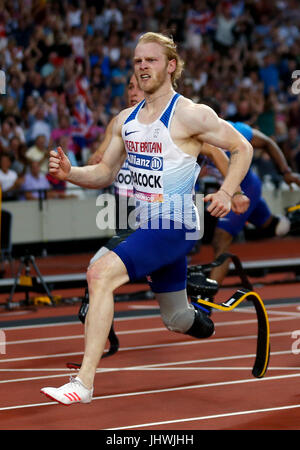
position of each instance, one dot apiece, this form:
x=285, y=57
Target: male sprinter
x=177, y=313
x=162, y=136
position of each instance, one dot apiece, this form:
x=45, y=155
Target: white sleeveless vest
x=122, y=183
x=163, y=176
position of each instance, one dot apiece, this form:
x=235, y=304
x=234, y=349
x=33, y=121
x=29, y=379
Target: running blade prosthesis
x=293, y=214
x=202, y=291
x=263, y=330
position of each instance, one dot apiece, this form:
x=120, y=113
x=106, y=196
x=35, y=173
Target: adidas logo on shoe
x=73, y=392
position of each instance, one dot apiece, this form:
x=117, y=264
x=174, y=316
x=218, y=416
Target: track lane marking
x=214, y=416
x=116, y=369
x=145, y=366
x=151, y=346
x=174, y=389
x=150, y=316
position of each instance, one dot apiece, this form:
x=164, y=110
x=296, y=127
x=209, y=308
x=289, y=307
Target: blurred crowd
x=67, y=63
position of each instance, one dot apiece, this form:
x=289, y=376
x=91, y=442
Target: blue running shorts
x=159, y=255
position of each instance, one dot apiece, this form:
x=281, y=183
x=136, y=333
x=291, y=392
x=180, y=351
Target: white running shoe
x=72, y=392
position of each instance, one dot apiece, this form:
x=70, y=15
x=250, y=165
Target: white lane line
x=32, y=358
x=122, y=319
x=174, y=389
x=147, y=347
x=116, y=369
x=207, y=368
x=214, y=416
x=156, y=365
x=80, y=336
x=49, y=339
x=76, y=322
x=144, y=330
x=36, y=370
x=283, y=313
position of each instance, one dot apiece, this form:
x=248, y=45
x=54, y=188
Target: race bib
x=123, y=184
x=146, y=176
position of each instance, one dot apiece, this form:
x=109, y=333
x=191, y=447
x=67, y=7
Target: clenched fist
x=220, y=203
x=59, y=164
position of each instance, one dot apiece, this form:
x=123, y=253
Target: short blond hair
x=170, y=49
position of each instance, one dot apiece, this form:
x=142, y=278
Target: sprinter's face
x=151, y=67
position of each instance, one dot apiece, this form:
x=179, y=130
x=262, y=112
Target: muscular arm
x=100, y=175
x=264, y=142
x=92, y=176
x=239, y=203
x=217, y=156
x=204, y=124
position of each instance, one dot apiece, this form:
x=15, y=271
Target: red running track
x=158, y=380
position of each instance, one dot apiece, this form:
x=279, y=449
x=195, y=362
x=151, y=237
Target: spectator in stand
x=36, y=85
x=112, y=16
x=244, y=112
x=294, y=114
x=199, y=21
x=9, y=107
x=35, y=183
x=266, y=119
x=15, y=90
x=39, y=153
x=9, y=179
x=269, y=74
x=74, y=14
x=101, y=116
x=77, y=42
x=17, y=130
x=17, y=151
x=37, y=186
x=40, y=122
x=224, y=36
x=82, y=122
x=119, y=78
x=63, y=129
x=113, y=48
x=28, y=110
x=5, y=135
